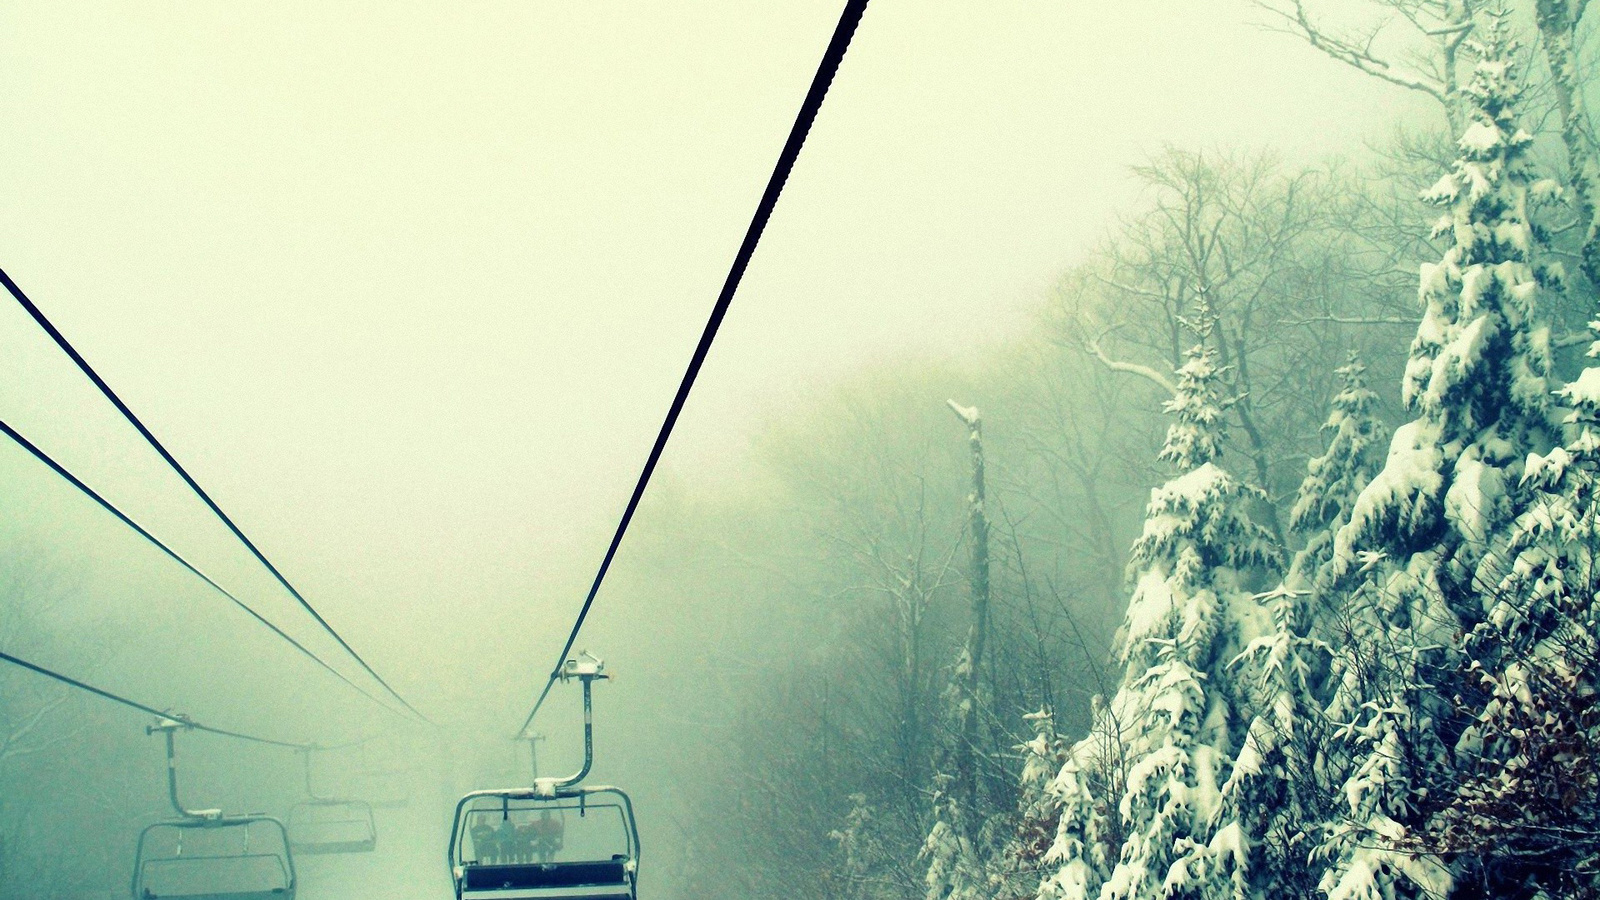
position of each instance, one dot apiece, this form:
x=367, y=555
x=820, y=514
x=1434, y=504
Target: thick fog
x=408, y=288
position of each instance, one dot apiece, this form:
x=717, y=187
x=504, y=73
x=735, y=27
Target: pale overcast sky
x=408, y=285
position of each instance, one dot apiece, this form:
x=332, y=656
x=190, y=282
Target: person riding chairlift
x=548, y=835
x=527, y=837
x=506, y=837
x=483, y=839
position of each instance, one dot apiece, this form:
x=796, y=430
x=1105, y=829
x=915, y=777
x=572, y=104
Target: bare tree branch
x=1143, y=371
x=1356, y=320
x=1356, y=50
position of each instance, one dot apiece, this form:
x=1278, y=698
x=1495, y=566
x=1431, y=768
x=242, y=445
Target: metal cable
x=145, y=707
x=127, y=520
x=183, y=473
x=834, y=55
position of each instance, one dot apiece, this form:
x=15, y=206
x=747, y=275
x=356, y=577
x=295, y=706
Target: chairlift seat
x=607, y=880
x=582, y=844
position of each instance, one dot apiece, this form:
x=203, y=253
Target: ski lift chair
x=522, y=844
x=222, y=858
x=321, y=825
x=318, y=826
x=205, y=855
x=554, y=841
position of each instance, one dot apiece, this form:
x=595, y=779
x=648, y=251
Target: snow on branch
x=1143, y=371
x=967, y=414
x=1409, y=322
x=1356, y=51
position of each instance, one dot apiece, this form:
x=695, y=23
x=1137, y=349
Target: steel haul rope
x=127, y=520
x=172, y=462
x=145, y=707
x=831, y=58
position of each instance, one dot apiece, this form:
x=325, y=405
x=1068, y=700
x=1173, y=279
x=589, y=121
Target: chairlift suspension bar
x=587, y=672
x=533, y=749
x=831, y=58
x=127, y=520
x=150, y=438
x=306, y=753
x=168, y=726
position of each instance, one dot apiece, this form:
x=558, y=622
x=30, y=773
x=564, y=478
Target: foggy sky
x=408, y=286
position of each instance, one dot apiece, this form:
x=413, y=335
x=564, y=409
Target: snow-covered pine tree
x=1258, y=842
x=1528, y=804
x=1477, y=384
x=954, y=870
x=1478, y=380
x=1086, y=791
x=1357, y=438
x=1172, y=715
x=863, y=858
x=1273, y=790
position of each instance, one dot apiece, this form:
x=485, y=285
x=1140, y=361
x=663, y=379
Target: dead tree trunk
x=970, y=665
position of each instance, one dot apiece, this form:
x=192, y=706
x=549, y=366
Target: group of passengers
x=513, y=844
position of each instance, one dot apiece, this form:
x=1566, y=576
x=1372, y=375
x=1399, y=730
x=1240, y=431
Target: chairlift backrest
x=519, y=845
x=332, y=826
x=214, y=859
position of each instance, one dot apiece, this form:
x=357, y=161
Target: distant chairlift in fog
x=554, y=841
x=320, y=825
x=384, y=786
x=205, y=855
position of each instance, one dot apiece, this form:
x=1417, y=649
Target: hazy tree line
x=1285, y=670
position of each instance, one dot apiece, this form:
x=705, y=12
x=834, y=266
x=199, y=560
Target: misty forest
x=1257, y=558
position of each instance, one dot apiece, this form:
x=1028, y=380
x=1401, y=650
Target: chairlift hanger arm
x=168, y=727
x=305, y=753
x=587, y=668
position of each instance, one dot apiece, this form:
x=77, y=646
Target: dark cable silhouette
x=183, y=473
x=846, y=29
x=144, y=707
x=127, y=520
